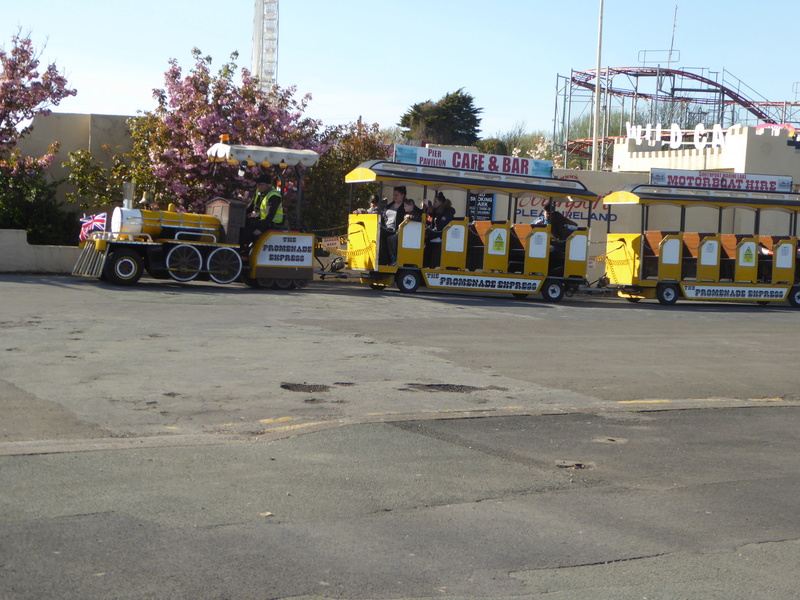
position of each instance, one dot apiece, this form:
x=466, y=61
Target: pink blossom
x=195, y=109
x=25, y=93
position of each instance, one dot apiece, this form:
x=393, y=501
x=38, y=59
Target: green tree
x=28, y=201
x=326, y=192
x=492, y=146
x=98, y=185
x=453, y=120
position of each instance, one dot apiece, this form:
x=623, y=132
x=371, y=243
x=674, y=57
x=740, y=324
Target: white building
x=766, y=150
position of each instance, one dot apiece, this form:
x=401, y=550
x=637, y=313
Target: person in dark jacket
x=411, y=212
x=560, y=226
x=442, y=213
x=391, y=217
x=374, y=207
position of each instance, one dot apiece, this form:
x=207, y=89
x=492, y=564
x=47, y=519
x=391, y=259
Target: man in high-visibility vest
x=265, y=212
x=268, y=202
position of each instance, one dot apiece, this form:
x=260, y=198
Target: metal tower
x=264, y=60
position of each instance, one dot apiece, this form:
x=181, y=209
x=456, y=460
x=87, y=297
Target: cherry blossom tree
x=27, y=198
x=169, y=159
x=25, y=92
x=195, y=110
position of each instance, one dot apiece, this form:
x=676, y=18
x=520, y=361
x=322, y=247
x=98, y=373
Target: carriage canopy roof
x=266, y=156
x=639, y=193
x=475, y=181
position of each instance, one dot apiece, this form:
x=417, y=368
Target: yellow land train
x=476, y=256
x=187, y=246
x=704, y=244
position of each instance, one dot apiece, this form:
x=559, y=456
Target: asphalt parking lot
x=199, y=441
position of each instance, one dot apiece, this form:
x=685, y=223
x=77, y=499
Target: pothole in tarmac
x=316, y=388
x=452, y=388
x=312, y=388
x=574, y=464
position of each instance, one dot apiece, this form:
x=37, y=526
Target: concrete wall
x=17, y=256
x=76, y=131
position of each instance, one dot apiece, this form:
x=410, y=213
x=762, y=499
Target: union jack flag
x=92, y=223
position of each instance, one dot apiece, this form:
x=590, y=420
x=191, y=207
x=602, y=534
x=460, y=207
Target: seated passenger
x=442, y=213
x=374, y=207
x=391, y=217
x=560, y=226
x=411, y=212
x=394, y=213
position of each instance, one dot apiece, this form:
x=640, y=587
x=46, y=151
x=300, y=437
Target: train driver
x=265, y=212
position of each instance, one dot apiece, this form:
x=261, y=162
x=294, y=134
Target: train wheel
x=794, y=296
x=266, y=282
x=284, y=284
x=553, y=291
x=123, y=267
x=184, y=262
x=407, y=281
x=224, y=265
x=667, y=294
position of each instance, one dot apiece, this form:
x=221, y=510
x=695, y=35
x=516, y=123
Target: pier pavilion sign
x=700, y=137
x=472, y=161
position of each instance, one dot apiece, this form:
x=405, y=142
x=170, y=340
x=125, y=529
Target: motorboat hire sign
x=472, y=161
x=745, y=182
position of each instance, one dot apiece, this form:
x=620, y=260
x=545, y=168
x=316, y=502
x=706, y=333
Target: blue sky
x=375, y=58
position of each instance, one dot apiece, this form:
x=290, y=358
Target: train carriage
x=734, y=243
x=471, y=255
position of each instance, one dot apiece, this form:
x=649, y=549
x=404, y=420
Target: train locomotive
x=187, y=246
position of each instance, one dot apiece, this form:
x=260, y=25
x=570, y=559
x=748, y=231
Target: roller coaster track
x=712, y=92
